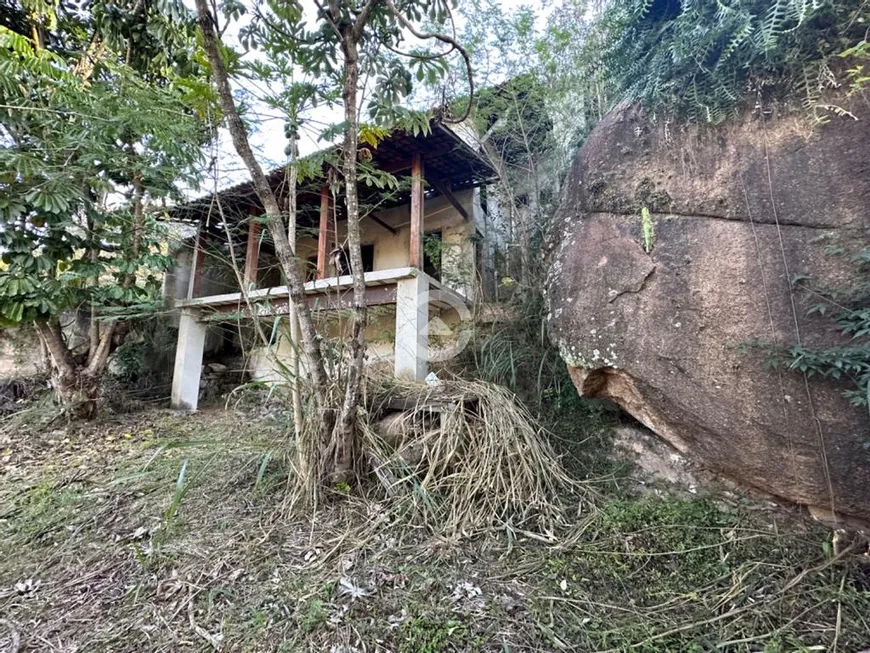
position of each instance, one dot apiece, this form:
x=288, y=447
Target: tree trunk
x=285, y=253
x=79, y=395
x=77, y=388
x=343, y=445
x=295, y=334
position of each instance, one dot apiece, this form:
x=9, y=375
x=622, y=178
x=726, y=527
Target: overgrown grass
x=690, y=575
x=516, y=353
x=124, y=553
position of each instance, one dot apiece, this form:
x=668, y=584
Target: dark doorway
x=343, y=262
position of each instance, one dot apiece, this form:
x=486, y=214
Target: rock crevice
x=664, y=215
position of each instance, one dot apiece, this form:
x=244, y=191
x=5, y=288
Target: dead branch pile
x=465, y=455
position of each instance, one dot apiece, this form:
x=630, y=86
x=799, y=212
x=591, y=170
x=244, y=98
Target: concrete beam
x=188, y=361
x=412, y=328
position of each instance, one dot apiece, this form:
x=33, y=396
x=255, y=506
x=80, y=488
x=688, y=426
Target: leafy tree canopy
x=97, y=121
x=305, y=62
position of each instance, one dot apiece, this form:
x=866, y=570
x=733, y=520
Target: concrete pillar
x=188, y=361
x=412, y=329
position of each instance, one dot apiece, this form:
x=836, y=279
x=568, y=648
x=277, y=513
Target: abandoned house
x=427, y=249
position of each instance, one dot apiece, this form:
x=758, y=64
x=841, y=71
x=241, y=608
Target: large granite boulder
x=672, y=252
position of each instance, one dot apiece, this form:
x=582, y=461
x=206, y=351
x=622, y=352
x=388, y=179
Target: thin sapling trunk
x=274, y=221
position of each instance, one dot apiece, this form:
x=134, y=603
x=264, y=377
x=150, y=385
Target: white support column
x=188, y=361
x=412, y=329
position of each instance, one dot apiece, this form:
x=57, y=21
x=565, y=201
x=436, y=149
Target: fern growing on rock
x=701, y=58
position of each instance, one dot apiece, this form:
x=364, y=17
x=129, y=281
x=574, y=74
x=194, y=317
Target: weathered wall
x=736, y=210
x=20, y=353
x=380, y=334
x=444, y=330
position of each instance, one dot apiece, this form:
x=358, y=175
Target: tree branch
x=52, y=337
x=100, y=357
x=328, y=16
x=422, y=57
x=444, y=38
x=362, y=18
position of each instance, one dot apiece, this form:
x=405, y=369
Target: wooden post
x=416, y=258
x=324, y=234
x=252, y=253
x=194, y=284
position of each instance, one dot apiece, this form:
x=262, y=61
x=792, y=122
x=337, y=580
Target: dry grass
x=164, y=533
x=468, y=457
x=124, y=554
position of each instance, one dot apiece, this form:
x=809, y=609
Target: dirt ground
x=155, y=531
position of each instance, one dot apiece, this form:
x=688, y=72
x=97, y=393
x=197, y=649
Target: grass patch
x=653, y=574
x=313, y=616
x=434, y=634
x=582, y=430
x=124, y=553
x=39, y=512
